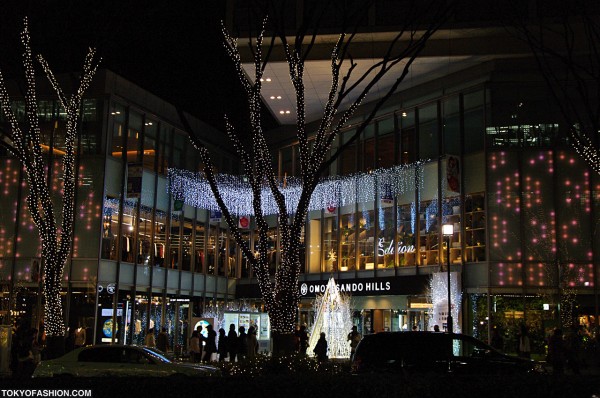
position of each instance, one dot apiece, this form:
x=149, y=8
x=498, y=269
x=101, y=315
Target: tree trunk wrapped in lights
x=280, y=295
x=24, y=142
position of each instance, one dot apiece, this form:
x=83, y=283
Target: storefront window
x=160, y=235
x=348, y=244
x=245, y=264
x=211, y=249
x=428, y=236
x=223, y=255
x=82, y=313
x=272, y=250
x=175, y=240
x=386, y=241
x=330, y=240
x=199, y=241
x=186, y=245
x=366, y=237
x=128, y=229
x=406, y=224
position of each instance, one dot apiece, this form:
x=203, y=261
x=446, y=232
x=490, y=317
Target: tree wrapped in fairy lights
x=565, y=48
x=345, y=94
x=23, y=140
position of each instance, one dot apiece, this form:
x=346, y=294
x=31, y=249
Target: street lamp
x=448, y=230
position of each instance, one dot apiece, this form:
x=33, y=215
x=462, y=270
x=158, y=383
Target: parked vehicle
x=422, y=352
x=119, y=360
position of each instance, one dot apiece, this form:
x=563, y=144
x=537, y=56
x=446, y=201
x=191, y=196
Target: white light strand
x=194, y=190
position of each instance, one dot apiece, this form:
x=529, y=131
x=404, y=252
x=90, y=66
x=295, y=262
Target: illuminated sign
x=414, y=284
x=383, y=250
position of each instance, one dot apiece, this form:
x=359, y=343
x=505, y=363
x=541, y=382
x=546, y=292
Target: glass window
x=386, y=251
x=405, y=226
x=451, y=112
x=348, y=238
x=367, y=156
x=428, y=132
x=474, y=121
x=385, y=143
x=408, y=148
x=128, y=232
x=150, y=140
x=428, y=236
x=134, y=137
x=366, y=237
x=330, y=240
x=164, y=150
x=160, y=234
x=199, y=240
x=286, y=161
x=347, y=159
x=174, y=240
x=186, y=245
x=91, y=126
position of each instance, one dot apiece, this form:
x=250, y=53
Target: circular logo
x=244, y=222
x=303, y=289
x=331, y=209
x=110, y=288
x=100, y=288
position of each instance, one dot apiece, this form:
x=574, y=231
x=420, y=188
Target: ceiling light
x=287, y=111
x=268, y=79
x=281, y=112
x=272, y=97
x=403, y=114
x=262, y=80
x=279, y=97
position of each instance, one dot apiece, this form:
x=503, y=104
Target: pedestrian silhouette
x=320, y=349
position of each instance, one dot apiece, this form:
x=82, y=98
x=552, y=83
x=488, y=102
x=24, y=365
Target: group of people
x=229, y=345
x=563, y=351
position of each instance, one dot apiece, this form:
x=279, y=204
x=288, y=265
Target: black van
x=412, y=352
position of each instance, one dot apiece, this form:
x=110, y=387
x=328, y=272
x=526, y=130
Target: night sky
x=173, y=49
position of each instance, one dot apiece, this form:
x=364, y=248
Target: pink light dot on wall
x=571, y=161
x=575, y=241
x=532, y=161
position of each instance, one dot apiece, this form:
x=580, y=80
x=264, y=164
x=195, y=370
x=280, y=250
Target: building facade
x=140, y=260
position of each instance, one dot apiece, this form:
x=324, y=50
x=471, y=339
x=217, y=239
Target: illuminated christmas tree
x=333, y=315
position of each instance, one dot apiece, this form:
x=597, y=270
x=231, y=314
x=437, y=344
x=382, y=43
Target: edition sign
x=383, y=248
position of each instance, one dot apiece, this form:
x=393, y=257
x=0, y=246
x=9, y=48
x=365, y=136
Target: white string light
x=237, y=194
x=56, y=239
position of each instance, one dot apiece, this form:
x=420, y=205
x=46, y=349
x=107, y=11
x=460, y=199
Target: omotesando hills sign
x=414, y=284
